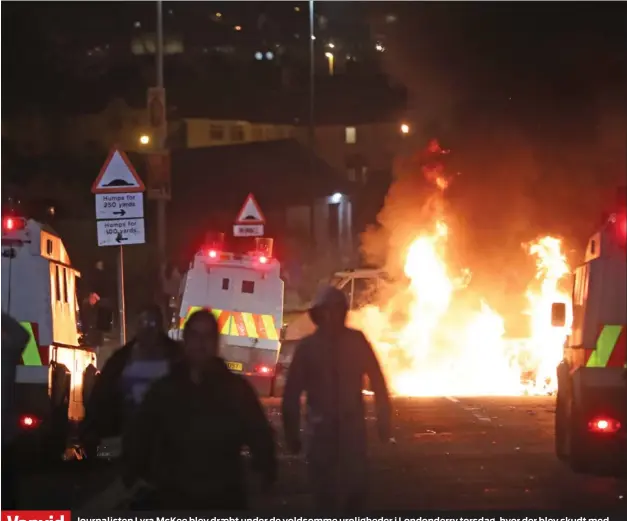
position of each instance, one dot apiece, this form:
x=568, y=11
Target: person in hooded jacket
x=125, y=378
x=329, y=366
x=187, y=438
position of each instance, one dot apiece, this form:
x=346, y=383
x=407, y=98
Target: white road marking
x=471, y=410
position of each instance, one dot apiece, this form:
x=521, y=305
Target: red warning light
x=619, y=226
x=622, y=226
x=11, y=224
x=213, y=254
x=263, y=259
x=28, y=422
x=604, y=425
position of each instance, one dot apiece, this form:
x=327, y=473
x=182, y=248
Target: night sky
x=529, y=96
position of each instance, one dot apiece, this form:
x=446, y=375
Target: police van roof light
x=11, y=224
x=622, y=226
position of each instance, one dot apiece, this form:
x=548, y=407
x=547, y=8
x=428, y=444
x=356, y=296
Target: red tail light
x=11, y=224
x=29, y=422
x=264, y=369
x=604, y=425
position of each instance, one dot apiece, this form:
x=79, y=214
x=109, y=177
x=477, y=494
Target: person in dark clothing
x=14, y=341
x=187, y=437
x=125, y=378
x=89, y=312
x=99, y=282
x=90, y=376
x=101, y=293
x=329, y=366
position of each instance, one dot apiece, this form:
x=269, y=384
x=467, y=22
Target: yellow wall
x=203, y=132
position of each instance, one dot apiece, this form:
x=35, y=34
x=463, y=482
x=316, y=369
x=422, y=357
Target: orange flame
x=430, y=348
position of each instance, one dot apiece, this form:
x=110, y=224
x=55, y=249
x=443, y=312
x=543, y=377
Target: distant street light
x=336, y=198
x=330, y=57
x=144, y=139
x=405, y=128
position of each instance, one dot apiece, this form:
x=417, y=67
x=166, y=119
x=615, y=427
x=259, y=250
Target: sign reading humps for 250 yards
x=119, y=206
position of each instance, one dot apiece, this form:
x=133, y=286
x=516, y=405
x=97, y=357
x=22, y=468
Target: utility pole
x=312, y=73
x=160, y=140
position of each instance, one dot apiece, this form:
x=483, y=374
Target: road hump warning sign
x=250, y=212
x=117, y=175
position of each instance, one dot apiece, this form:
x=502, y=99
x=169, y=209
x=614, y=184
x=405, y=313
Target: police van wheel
x=561, y=426
x=578, y=457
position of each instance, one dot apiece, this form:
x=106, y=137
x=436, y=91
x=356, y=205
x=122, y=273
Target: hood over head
x=329, y=305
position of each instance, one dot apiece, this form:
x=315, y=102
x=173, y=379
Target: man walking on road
x=329, y=366
x=187, y=437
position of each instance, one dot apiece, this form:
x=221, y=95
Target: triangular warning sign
x=117, y=175
x=250, y=212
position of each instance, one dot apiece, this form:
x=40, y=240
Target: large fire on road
x=430, y=345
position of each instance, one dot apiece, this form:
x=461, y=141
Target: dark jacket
x=105, y=410
x=101, y=283
x=186, y=440
x=330, y=368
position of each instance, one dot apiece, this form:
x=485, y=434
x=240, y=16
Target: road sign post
x=250, y=220
x=119, y=195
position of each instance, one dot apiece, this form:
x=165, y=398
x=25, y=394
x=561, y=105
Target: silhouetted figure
x=329, y=366
x=186, y=440
x=126, y=377
x=170, y=288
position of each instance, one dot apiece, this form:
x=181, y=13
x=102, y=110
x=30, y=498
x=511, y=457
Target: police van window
x=225, y=284
x=49, y=247
x=57, y=284
x=64, y=276
x=248, y=286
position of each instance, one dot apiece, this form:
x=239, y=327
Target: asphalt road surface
x=461, y=453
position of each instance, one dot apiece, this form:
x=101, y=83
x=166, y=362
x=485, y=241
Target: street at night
x=450, y=453
x=213, y=210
